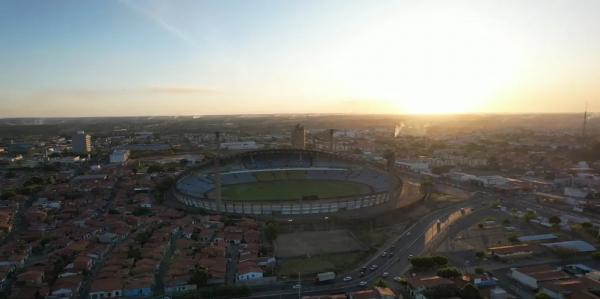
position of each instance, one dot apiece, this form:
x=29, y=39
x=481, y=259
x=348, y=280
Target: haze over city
x=309, y=149
x=115, y=58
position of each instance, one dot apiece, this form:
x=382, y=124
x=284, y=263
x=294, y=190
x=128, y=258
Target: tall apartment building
x=299, y=137
x=81, y=143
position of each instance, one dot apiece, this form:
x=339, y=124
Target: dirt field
x=307, y=244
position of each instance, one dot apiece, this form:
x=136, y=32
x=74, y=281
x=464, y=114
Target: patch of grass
x=293, y=189
x=323, y=263
x=372, y=238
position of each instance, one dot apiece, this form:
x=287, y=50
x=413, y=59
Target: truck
x=325, y=277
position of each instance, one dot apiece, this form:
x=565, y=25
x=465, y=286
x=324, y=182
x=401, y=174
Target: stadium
x=287, y=182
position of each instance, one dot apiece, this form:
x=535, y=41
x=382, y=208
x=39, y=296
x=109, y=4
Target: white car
x=397, y=279
x=362, y=283
x=385, y=274
x=347, y=278
x=297, y=286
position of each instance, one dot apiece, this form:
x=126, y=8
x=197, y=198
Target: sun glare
x=430, y=62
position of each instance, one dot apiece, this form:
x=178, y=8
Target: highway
x=413, y=241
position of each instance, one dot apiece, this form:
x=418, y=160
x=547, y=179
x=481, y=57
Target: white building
x=534, y=275
x=119, y=156
x=249, y=273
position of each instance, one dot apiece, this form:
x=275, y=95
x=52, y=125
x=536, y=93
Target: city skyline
x=127, y=58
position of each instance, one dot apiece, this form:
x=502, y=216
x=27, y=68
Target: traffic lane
x=400, y=255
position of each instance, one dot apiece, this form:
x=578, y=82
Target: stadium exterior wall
x=272, y=208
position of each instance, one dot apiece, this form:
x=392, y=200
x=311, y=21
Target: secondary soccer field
x=292, y=190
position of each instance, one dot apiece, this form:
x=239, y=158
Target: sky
x=128, y=58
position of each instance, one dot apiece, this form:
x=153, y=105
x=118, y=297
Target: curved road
x=413, y=241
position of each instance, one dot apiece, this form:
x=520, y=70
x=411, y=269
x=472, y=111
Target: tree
x=480, y=254
x=154, y=168
x=596, y=255
x=271, y=230
x=199, y=277
x=134, y=252
x=542, y=295
x=8, y=193
x=449, y=272
x=530, y=215
x=381, y=283
x=470, y=292
x=555, y=220
x=586, y=225
x=479, y=271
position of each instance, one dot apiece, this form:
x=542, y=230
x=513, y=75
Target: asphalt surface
x=413, y=241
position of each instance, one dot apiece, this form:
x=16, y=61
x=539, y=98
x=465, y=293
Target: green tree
x=555, y=220
x=271, y=230
x=449, y=272
x=470, y=292
x=542, y=295
x=199, y=277
x=381, y=283
x=530, y=215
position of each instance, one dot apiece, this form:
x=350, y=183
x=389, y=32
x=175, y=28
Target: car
x=390, y=255
x=392, y=248
x=385, y=274
x=362, y=283
x=410, y=256
x=297, y=286
x=397, y=279
x=362, y=274
x=384, y=254
x=347, y=278
x=363, y=269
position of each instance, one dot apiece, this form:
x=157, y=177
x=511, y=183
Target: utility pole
x=299, y=287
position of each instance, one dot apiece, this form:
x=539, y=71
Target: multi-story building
x=81, y=143
x=299, y=137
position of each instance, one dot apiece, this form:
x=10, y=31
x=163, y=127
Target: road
x=413, y=241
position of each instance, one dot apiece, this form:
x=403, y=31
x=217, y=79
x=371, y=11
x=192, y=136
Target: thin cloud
x=180, y=90
x=160, y=22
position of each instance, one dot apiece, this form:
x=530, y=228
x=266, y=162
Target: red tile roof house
x=178, y=285
x=515, y=251
x=108, y=287
x=205, y=235
x=252, y=236
x=534, y=275
x=67, y=287
x=418, y=285
x=364, y=294
x=83, y=263
x=233, y=237
x=31, y=278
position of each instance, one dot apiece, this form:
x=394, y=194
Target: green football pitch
x=292, y=190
